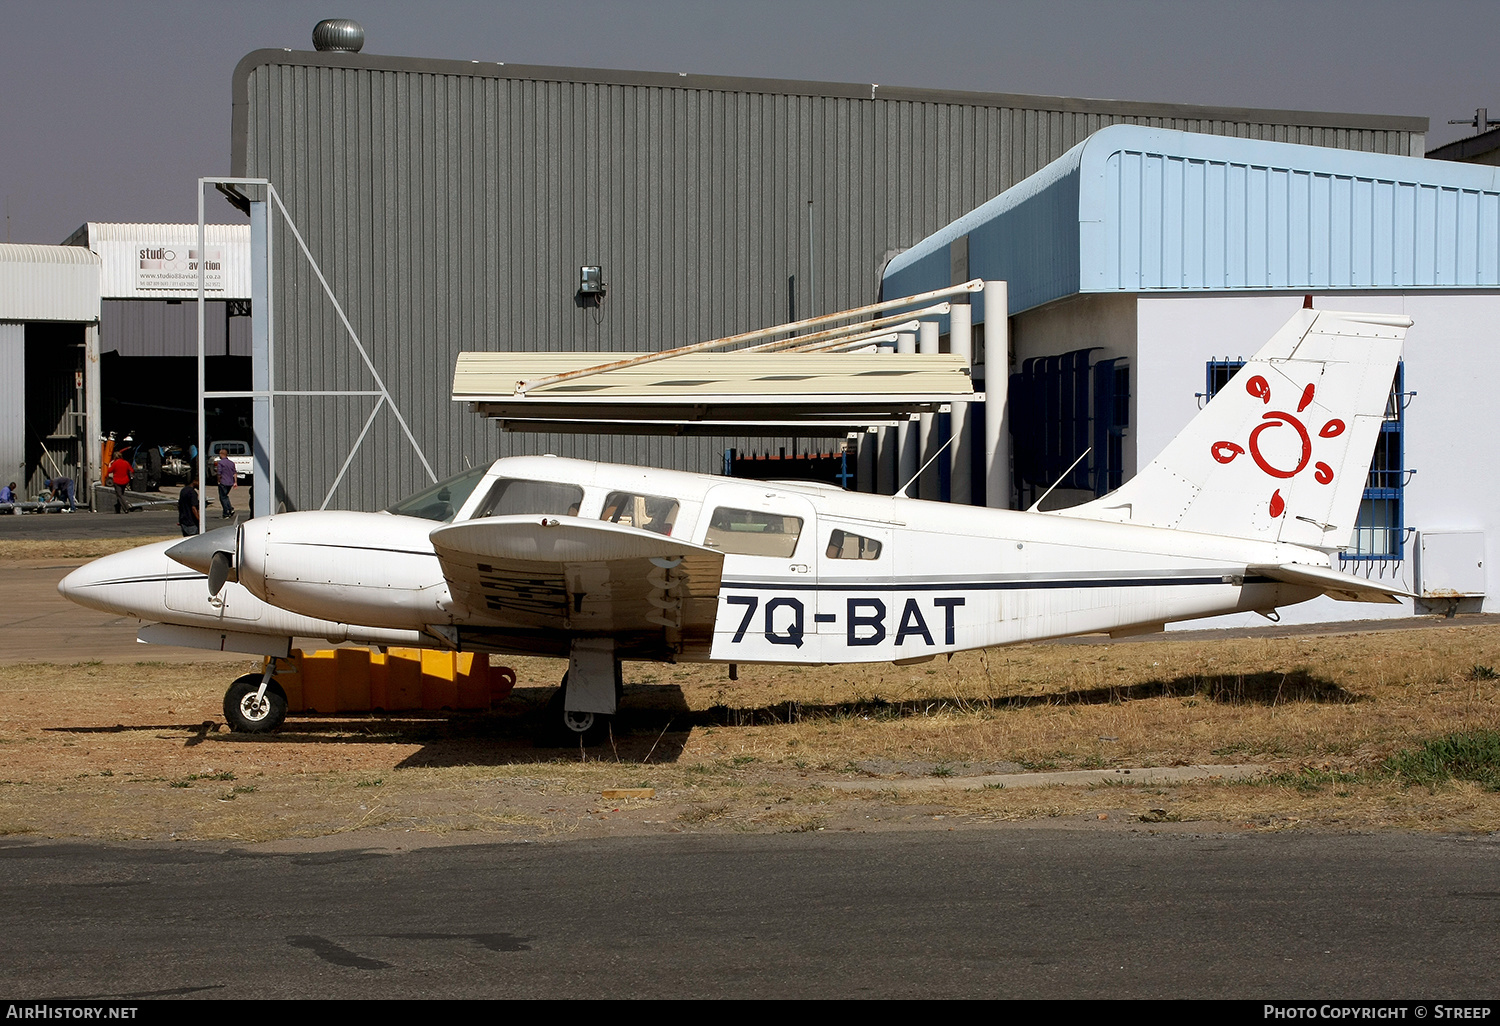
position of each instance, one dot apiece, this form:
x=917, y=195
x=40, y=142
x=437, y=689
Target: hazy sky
x=110, y=111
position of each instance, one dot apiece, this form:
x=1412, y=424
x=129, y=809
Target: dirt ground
x=97, y=741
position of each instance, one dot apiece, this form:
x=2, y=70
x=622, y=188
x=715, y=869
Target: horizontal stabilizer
x=1344, y=587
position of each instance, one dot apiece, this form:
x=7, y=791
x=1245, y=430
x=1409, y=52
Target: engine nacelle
x=374, y=569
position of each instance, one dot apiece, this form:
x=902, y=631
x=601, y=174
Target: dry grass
x=1349, y=700
x=139, y=750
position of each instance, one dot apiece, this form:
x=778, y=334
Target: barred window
x=1380, y=531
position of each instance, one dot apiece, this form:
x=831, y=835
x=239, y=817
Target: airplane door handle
x=799, y=568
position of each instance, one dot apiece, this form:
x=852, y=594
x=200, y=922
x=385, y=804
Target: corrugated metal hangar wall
x=451, y=203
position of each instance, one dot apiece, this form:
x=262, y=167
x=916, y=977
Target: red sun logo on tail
x=1225, y=452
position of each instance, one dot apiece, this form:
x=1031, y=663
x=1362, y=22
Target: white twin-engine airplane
x=598, y=563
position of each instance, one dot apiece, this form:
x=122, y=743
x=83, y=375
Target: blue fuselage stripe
x=1089, y=582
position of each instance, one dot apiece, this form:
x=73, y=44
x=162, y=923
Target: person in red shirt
x=119, y=475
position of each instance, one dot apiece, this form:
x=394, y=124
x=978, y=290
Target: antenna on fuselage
x=1033, y=507
x=901, y=492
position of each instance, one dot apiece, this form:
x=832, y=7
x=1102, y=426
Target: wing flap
x=1344, y=587
x=567, y=573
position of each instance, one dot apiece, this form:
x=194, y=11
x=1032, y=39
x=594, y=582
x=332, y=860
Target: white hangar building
x=1145, y=264
x=100, y=335
x=49, y=326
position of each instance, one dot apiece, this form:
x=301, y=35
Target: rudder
x=1282, y=452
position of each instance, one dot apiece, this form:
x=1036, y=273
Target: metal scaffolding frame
x=263, y=391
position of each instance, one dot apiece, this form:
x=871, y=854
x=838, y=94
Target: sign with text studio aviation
x=176, y=267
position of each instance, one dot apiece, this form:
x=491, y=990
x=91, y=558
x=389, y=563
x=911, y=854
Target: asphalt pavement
x=1007, y=912
x=155, y=513
x=45, y=627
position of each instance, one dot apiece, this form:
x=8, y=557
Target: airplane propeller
x=215, y=554
x=219, y=568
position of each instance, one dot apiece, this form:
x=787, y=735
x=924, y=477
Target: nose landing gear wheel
x=247, y=715
x=570, y=729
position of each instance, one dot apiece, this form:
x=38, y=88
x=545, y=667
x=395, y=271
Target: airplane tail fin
x=1282, y=452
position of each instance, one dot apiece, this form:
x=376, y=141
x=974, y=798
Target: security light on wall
x=591, y=281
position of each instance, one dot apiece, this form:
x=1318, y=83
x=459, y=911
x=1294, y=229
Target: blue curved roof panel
x=1133, y=209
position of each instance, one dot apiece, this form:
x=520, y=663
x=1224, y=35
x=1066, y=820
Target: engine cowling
x=374, y=569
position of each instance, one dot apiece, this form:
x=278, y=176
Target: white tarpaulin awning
x=826, y=393
x=823, y=377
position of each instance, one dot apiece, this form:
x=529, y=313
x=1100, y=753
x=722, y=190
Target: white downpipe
x=961, y=452
x=996, y=394
x=931, y=485
x=906, y=433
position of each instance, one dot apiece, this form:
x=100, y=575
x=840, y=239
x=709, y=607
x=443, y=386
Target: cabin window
x=517, y=497
x=846, y=545
x=656, y=513
x=442, y=501
x=753, y=532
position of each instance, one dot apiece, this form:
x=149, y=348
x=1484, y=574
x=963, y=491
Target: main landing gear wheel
x=247, y=715
x=571, y=729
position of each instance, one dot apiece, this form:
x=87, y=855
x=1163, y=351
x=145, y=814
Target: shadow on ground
x=1266, y=689
x=655, y=722
x=653, y=727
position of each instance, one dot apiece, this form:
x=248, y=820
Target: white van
x=239, y=452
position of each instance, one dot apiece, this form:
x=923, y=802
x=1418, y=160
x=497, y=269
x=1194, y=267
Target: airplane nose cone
x=73, y=585
x=96, y=584
x=198, y=551
x=128, y=582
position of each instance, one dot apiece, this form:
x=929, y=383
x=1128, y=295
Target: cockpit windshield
x=442, y=501
x=515, y=496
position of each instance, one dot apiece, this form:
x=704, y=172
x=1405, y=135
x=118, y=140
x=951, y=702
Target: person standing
x=187, y=508
x=119, y=476
x=224, y=469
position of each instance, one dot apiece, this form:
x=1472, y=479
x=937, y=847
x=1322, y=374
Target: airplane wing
x=580, y=575
x=1345, y=587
